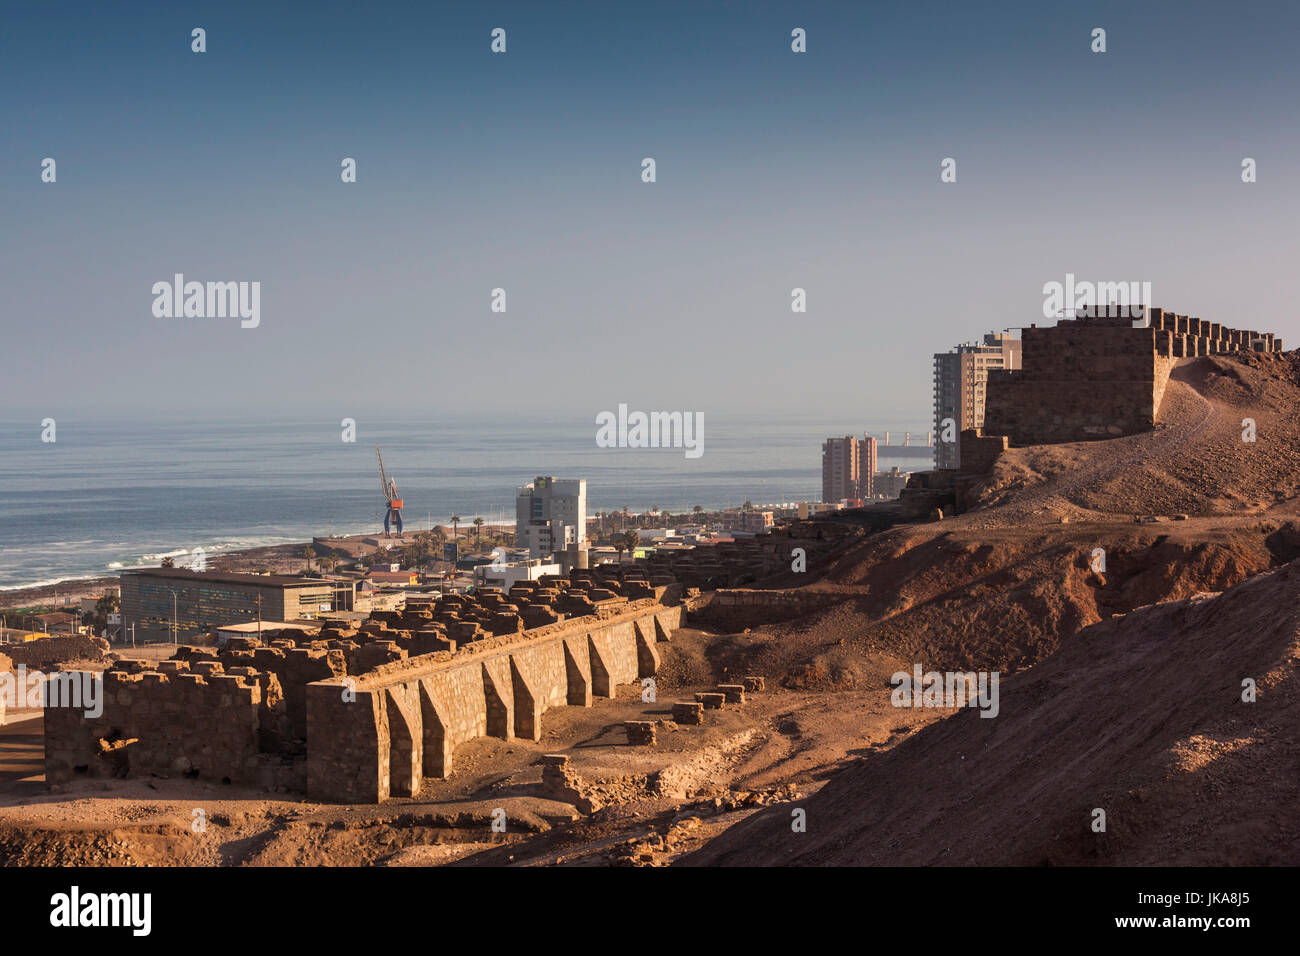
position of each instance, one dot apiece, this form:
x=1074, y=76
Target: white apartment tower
x=550, y=515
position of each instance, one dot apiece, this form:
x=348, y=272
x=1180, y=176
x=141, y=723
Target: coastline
x=277, y=558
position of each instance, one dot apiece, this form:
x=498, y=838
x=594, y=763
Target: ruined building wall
x=294, y=667
x=208, y=724
x=403, y=721
x=1079, y=382
x=47, y=653
x=980, y=451
x=1099, y=377
x=426, y=679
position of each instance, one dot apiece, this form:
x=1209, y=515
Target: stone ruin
x=1097, y=376
x=392, y=727
x=364, y=713
x=49, y=653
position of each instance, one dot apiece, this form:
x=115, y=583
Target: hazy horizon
x=521, y=170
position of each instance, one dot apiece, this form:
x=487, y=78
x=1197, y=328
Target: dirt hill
x=1195, y=462
x=1141, y=716
x=1122, y=686
x=1181, y=510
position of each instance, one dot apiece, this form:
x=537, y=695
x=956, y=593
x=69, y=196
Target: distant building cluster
x=178, y=605
x=747, y=521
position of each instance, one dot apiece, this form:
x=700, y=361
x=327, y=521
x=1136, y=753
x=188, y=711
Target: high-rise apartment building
x=866, y=467
x=550, y=515
x=960, y=379
x=848, y=468
x=840, y=463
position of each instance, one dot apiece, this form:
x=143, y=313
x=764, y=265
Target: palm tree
x=698, y=509
x=455, y=524
x=432, y=550
x=629, y=539
x=327, y=563
x=309, y=555
x=169, y=562
x=478, y=528
x=106, y=605
x=417, y=553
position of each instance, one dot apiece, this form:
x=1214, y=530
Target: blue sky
x=522, y=171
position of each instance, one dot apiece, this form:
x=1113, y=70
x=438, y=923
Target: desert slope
x=1141, y=716
x=1195, y=462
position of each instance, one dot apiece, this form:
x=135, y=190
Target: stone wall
x=205, y=724
x=980, y=451
x=1098, y=377
x=270, y=709
x=387, y=730
x=293, y=667
x=46, y=653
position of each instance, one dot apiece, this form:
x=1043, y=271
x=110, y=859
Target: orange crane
x=389, y=488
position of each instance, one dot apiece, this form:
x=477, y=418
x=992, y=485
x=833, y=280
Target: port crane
x=389, y=488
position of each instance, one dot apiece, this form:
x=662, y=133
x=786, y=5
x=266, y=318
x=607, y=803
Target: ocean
x=108, y=495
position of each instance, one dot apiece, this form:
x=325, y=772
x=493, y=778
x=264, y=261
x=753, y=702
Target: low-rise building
x=400, y=579
x=507, y=575
x=753, y=522
x=161, y=603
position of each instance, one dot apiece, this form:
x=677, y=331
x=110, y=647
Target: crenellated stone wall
x=365, y=711
x=1099, y=376
x=387, y=730
x=204, y=723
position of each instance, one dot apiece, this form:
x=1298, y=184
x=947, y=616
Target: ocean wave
x=164, y=554
x=50, y=582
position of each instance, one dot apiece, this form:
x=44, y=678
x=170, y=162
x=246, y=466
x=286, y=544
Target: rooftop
x=231, y=577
